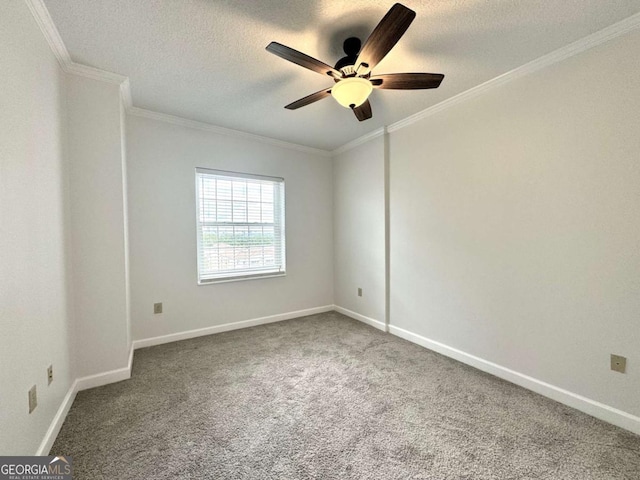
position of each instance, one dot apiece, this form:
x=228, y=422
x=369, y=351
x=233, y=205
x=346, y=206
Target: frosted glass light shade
x=352, y=91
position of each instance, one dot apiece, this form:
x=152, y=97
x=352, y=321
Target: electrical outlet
x=618, y=363
x=50, y=374
x=33, y=399
x=359, y=292
x=157, y=308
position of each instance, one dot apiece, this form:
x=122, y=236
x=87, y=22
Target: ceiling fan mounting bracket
x=351, y=47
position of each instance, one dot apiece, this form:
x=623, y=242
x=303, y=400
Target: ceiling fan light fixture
x=352, y=92
x=353, y=85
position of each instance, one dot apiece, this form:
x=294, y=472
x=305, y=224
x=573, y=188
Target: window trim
x=278, y=223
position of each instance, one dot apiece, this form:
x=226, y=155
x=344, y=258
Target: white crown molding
x=207, y=127
x=616, y=30
x=50, y=32
x=52, y=35
x=95, y=73
x=359, y=141
x=579, y=46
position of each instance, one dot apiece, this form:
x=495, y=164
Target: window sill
x=202, y=283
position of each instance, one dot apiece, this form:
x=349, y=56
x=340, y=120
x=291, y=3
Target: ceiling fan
x=352, y=74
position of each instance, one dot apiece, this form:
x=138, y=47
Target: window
x=240, y=225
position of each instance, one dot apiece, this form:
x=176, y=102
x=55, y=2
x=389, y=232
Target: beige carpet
x=326, y=397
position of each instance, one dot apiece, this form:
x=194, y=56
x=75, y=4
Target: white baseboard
x=356, y=316
x=120, y=374
x=79, y=384
x=591, y=407
x=58, y=420
x=105, y=378
x=200, y=332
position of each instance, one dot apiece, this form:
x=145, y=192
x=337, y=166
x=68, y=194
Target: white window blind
x=240, y=225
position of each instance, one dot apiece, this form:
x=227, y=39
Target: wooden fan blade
x=314, y=97
x=302, y=59
x=385, y=35
x=407, y=81
x=363, y=112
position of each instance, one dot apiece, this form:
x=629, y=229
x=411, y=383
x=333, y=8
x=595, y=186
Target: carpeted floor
x=326, y=397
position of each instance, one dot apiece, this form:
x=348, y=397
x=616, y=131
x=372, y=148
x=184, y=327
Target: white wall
x=514, y=227
x=98, y=230
x=515, y=232
x=161, y=173
x=125, y=218
x=359, y=229
x=35, y=320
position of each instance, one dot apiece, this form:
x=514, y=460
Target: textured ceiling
x=206, y=60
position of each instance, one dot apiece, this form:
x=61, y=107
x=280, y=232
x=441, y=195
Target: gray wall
x=35, y=316
x=515, y=233
x=514, y=230
x=98, y=229
x=161, y=173
x=359, y=227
